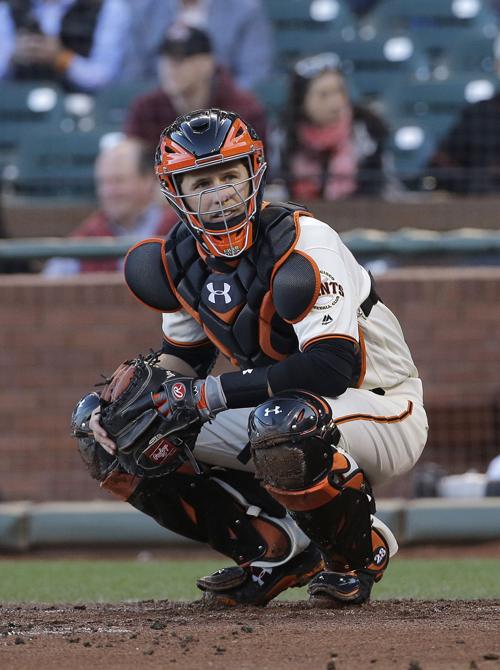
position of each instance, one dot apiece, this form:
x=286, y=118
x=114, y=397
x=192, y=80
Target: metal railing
x=406, y=241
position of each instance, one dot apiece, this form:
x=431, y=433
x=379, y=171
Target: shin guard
x=294, y=440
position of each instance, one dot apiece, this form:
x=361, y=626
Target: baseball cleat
x=256, y=585
x=331, y=589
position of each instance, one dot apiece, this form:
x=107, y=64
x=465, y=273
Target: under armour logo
x=260, y=577
x=326, y=319
x=275, y=410
x=225, y=292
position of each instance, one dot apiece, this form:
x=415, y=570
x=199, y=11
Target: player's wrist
x=210, y=397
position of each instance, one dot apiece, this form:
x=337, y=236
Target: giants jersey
x=297, y=286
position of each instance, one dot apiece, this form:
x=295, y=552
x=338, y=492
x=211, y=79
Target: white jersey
x=345, y=285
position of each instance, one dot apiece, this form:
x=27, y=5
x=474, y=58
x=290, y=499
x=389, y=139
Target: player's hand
x=100, y=434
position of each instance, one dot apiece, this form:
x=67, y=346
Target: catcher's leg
x=232, y=513
x=293, y=443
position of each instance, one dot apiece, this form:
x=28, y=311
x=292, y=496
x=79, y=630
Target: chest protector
x=232, y=299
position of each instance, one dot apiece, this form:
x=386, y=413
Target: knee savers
x=293, y=440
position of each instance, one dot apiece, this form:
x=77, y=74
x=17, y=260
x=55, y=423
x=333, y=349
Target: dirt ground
x=441, y=635
x=399, y=635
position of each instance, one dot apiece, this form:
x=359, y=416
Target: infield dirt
x=407, y=635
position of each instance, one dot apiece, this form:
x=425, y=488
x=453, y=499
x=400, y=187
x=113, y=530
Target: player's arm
x=326, y=328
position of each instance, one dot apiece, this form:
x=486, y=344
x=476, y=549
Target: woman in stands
x=333, y=148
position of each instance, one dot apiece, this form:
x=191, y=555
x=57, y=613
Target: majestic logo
x=178, y=390
x=217, y=291
x=330, y=291
x=326, y=319
x=160, y=450
x=273, y=410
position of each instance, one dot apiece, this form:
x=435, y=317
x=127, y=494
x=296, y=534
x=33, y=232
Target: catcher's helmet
x=200, y=140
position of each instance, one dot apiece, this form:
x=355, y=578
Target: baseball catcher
x=272, y=465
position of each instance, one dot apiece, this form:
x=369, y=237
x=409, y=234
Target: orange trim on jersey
x=378, y=419
x=362, y=346
x=320, y=338
x=156, y=309
x=186, y=345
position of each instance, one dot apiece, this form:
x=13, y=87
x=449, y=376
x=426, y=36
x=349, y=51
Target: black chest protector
x=233, y=301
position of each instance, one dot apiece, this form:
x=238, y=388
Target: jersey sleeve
x=184, y=337
x=334, y=314
x=182, y=330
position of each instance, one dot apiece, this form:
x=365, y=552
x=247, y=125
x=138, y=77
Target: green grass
x=113, y=581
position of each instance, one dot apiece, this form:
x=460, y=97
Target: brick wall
x=56, y=336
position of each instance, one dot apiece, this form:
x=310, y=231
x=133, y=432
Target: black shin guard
x=228, y=510
x=293, y=440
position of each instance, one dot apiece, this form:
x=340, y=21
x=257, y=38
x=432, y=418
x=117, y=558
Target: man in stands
x=189, y=80
x=78, y=43
x=128, y=206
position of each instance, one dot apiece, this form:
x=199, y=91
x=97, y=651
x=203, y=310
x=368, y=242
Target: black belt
x=373, y=298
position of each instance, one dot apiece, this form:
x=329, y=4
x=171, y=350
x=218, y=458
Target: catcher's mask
x=81, y=414
x=223, y=217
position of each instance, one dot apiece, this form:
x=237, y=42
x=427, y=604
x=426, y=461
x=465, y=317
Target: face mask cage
x=229, y=234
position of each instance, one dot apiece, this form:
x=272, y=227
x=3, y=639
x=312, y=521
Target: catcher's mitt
x=148, y=443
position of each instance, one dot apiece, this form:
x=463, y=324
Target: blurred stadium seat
x=377, y=63
x=55, y=165
x=24, y=108
x=436, y=104
x=437, y=26
x=273, y=93
x=411, y=143
x=111, y=103
x=308, y=26
x=415, y=15
x=303, y=12
x=472, y=53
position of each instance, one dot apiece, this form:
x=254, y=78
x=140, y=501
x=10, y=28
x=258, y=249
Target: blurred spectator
x=333, y=148
x=127, y=192
x=80, y=43
x=189, y=80
x=468, y=158
x=240, y=32
x=361, y=7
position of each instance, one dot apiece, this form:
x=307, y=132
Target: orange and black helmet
x=207, y=138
